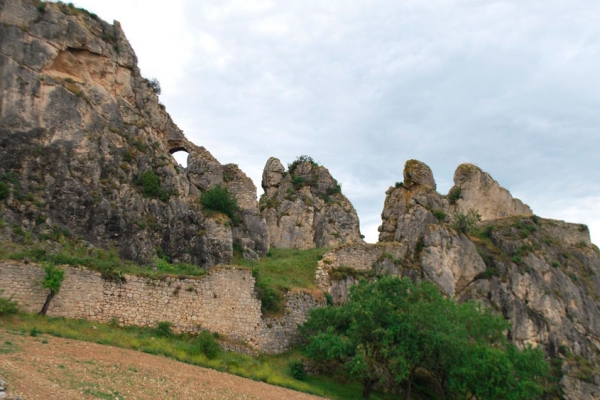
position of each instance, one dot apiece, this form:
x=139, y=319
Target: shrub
x=466, y=222
x=34, y=332
x=301, y=159
x=298, y=181
x=4, y=191
x=297, y=369
x=8, y=306
x=155, y=85
x=208, y=345
x=454, y=195
x=151, y=186
x=164, y=329
x=440, y=215
x=222, y=200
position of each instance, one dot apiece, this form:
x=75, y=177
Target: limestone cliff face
x=542, y=275
x=80, y=128
x=304, y=207
x=475, y=189
x=414, y=216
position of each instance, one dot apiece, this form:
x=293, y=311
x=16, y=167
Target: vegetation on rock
x=220, y=199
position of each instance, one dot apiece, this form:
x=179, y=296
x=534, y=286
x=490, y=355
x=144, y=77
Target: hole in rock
x=181, y=156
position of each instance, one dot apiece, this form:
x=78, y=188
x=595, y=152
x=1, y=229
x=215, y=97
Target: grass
x=286, y=269
x=75, y=252
x=281, y=271
x=272, y=369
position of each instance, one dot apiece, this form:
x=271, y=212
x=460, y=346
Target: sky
x=364, y=86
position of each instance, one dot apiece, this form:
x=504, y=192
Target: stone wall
x=277, y=334
x=222, y=301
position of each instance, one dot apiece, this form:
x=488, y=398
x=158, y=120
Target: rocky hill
x=85, y=146
x=541, y=274
x=304, y=207
x=85, y=149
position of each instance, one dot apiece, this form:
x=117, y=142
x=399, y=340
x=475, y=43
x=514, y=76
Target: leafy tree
x=53, y=281
x=392, y=331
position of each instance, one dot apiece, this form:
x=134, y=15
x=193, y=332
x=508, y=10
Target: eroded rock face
x=479, y=191
x=79, y=128
x=416, y=216
x=304, y=208
x=548, y=288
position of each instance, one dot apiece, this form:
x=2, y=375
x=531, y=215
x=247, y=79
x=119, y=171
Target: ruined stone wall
x=222, y=301
x=277, y=334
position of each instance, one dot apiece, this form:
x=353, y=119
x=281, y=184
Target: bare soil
x=47, y=367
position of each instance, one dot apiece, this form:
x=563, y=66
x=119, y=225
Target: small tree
x=53, y=281
x=466, y=222
x=155, y=85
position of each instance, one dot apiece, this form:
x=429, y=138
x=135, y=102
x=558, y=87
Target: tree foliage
x=466, y=222
x=53, y=281
x=392, y=332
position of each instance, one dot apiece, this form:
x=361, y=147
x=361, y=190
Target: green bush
x=220, y=199
x=151, y=186
x=297, y=369
x=270, y=298
x=208, y=345
x=7, y=306
x=466, y=222
x=164, y=329
x=4, y=191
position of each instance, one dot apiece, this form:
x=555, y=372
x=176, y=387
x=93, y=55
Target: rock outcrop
x=542, y=275
x=85, y=145
x=475, y=189
x=305, y=208
x=414, y=216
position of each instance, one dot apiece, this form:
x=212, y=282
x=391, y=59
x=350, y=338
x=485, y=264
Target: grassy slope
x=271, y=369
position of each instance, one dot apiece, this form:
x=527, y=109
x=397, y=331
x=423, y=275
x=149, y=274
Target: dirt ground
x=47, y=367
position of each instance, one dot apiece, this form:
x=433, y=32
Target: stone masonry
x=222, y=301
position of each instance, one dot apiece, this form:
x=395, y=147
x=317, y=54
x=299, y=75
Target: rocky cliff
x=542, y=275
x=304, y=207
x=85, y=146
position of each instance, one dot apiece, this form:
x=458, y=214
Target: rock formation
x=305, y=208
x=475, y=189
x=84, y=145
x=542, y=275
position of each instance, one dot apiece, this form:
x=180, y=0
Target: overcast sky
x=363, y=86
